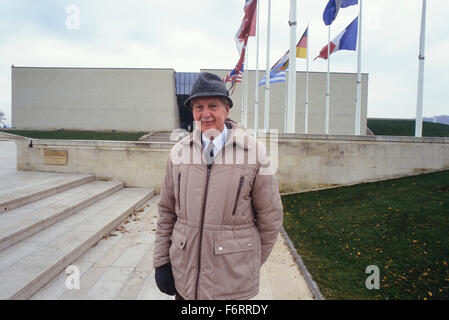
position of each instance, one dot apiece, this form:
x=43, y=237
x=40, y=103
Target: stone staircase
x=48, y=220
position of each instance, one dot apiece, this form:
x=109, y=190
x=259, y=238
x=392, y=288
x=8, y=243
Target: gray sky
x=194, y=34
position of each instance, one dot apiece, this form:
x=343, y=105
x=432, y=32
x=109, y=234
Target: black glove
x=164, y=279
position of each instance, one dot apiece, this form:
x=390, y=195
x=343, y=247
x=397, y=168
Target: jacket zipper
x=201, y=232
x=238, y=194
x=179, y=191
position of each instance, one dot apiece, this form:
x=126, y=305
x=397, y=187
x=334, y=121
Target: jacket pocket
x=233, y=245
x=236, y=272
x=179, y=240
x=178, y=254
x=242, y=179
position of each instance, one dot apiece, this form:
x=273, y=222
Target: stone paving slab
x=281, y=278
x=8, y=156
x=133, y=286
x=109, y=284
x=55, y=290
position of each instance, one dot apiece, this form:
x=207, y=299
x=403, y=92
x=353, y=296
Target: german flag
x=301, y=47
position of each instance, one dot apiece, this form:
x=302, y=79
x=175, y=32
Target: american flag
x=233, y=77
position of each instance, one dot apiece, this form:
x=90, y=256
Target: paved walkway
x=120, y=265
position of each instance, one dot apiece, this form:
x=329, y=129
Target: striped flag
x=231, y=76
x=234, y=77
x=277, y=73
x=346, y=40
x=278, y=77
x=301, y=47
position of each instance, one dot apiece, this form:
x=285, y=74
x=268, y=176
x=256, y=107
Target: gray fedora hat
x=208, y=85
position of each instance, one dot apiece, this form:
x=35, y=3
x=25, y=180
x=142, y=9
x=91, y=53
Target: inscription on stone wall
x=97, y=109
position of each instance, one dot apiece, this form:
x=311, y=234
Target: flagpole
x=267, y=74
x=244, y=113
x=326, y=125
x=287, y=80
x=422, y=40
x=292, y=67
x=307, y=83
x=256, y=100
x=358, y=108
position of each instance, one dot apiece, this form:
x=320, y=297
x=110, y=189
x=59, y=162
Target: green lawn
x=77, y=135
x=399, y=127
x=399, y=225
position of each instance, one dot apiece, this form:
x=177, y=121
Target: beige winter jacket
x=217, y=224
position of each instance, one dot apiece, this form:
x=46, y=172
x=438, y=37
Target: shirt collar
x=218, y=141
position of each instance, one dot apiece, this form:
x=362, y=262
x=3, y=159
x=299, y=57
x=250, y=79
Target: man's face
x=211, y=111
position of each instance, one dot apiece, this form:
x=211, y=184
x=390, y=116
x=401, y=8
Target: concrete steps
x=39, y=238
x=22, y=187
x=20, y=223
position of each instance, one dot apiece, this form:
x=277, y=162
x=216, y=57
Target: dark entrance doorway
x=184, y=82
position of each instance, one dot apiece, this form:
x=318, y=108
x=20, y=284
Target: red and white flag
x=248, y=25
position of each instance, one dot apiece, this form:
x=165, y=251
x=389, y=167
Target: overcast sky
x=194, y=34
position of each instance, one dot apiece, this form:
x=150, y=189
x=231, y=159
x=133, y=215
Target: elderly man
x=220, y=211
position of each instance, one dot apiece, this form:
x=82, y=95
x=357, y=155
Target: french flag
x=346, y=40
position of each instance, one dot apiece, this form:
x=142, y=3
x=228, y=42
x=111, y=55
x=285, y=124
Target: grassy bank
x=399, y=225
x=77, y=135
x=400, y=127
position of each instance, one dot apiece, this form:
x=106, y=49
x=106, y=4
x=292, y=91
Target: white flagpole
x=244, y=113
x=306, y=126
x=292, y=68
x=422, y=40
x=326, y=125
x=256, y=100
x=267, y=75
x=358, y=106
x=287, y=80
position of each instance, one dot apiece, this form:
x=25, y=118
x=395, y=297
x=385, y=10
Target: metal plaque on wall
x=58, y=157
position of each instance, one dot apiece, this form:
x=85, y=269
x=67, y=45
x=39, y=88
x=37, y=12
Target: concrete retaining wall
x=137, y=164
x=305, y=162
x=316, y=161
